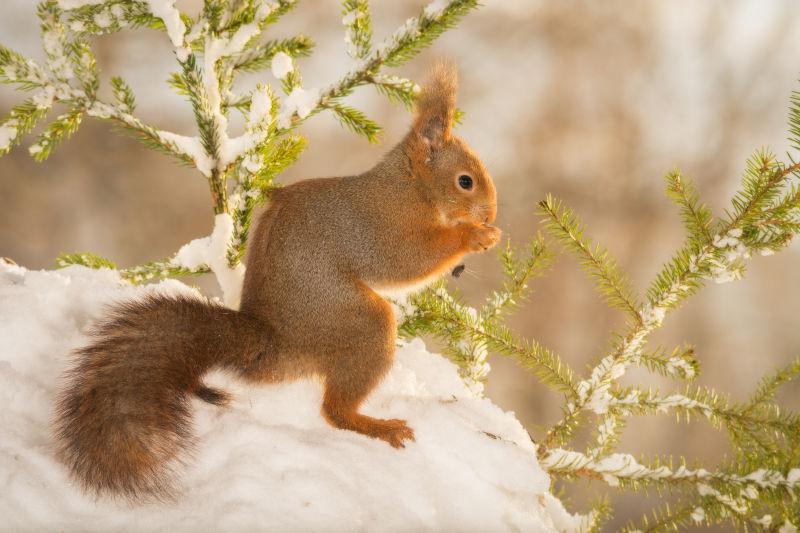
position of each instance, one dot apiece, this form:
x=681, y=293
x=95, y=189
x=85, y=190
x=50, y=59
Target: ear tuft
x=436, y=105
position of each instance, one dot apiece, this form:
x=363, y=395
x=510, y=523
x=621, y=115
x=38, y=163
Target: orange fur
x=316, y=263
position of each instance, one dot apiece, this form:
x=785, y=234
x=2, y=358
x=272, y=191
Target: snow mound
x=268, y=462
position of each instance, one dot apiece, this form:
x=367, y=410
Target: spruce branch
x=358, y=27
x=157, y=270
x=723, y=259
x=469, y=335
x=22, y=119
x=681, y=363
x=612, y=284
x=769, y=385
x=708, y=404
x=111, y=16
x=518, y=273
x=27, y=75
x=410, y=39
x=123, y=95
x=86, y=259
x=399, y=90
x=625, y=471
x=148, y=135
x=356, y=121
x=696, y=216
x=191, y=81
x=607, y=433
x=58, y=130
x=260, y=56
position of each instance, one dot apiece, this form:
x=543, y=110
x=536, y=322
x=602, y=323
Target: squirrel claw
x=483, y=237
x=394, y=432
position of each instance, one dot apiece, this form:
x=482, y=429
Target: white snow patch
x=192, y=147
x=8, y=132
x=281, y=65
x=103, y=19
x=213, y=251
x=44, y=97
x=165, y=10
x=260, y=105
x=300, y=101
x=435, y=8
x=268, y=461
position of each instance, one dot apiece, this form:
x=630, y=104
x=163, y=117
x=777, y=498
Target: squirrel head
x=445, y=170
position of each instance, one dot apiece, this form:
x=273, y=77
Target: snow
x=734, y=251
x=258, y=118
x=269, y=460
x=192, y=147
x=679, y=366
x=281, y=65
x=436, y=8
x=735, y=504
x=8, y=132
x=242, y=36
x=260, y=105
x=165, y=10
x=300, y=101
x=213, y=251
x=103, y=19
x=44, y=97
x=764, y=521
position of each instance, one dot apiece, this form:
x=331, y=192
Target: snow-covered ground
x=268, y=462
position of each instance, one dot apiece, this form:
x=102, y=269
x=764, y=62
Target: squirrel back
x=321, y=256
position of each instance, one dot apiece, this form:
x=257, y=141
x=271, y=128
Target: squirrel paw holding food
x=322, y=256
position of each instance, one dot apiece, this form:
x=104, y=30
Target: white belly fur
x=400, y=291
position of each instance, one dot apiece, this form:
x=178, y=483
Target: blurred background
x=590, y=101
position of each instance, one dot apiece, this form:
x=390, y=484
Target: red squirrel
x=322, y=254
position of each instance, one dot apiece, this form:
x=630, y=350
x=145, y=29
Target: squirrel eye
x=465, y=182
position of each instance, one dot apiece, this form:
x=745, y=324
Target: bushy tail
x=123, y=422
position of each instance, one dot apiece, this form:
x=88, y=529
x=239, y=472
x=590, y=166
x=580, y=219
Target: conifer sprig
x=519, y=273
x=755, y=488
x=358, y=27
x=614, y=287
x=469, y=334
x=211, y=49
x=681, y=363
x=697, y=218
x=260, y=57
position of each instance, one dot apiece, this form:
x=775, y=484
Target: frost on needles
x=756, y=487
x=224, y=40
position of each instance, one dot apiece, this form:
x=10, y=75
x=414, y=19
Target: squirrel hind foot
x=217, y=397
x=392, y=431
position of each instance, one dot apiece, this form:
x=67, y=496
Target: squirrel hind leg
x=343, y=416
x=217, y=397
x=351, y=375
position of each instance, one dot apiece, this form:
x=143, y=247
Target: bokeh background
x=591, y=101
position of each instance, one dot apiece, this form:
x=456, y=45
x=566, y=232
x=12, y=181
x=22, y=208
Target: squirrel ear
x=436, y=105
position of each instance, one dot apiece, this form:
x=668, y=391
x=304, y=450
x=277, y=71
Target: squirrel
x=323, y=256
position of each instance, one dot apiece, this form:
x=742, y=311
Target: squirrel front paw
x=481, y=238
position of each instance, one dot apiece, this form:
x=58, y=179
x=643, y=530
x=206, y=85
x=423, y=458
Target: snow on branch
x=755, y=488
x=210, y=50
x=759, y=484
